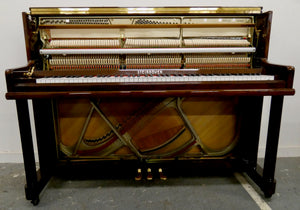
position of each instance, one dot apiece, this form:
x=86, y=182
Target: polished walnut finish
x=163, y=124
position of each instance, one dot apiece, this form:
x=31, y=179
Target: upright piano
x=148, y=90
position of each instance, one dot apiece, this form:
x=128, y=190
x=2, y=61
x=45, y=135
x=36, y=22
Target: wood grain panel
x=214, y=120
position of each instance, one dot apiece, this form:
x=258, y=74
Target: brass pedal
x=139, y=175
x=149, y=174
x=161, y=175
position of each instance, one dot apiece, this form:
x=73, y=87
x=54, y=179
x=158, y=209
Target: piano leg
x=34, y=181
x=31, y=186
x=45, y=136
x=272, y=146
x=43, y=118
x=264, y=177
x=250, y=129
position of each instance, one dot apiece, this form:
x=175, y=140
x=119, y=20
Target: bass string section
x=74, y=62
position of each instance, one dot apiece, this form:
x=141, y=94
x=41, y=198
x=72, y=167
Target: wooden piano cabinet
x=174, y=58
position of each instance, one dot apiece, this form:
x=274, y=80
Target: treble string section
x=144, y=43
x=217, y=61
x=205, y=42
x=158, y=61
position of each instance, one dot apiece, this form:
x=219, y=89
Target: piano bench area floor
x=208, y=192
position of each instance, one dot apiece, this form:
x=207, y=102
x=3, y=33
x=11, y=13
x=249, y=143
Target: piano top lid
x=142, y=10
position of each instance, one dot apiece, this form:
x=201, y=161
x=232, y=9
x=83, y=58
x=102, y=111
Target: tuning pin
x=149, y=174
x=161, y=175
x=139, y=175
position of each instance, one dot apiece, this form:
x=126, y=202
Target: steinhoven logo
x=150, y=71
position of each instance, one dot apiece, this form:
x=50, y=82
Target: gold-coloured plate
x=142, y=10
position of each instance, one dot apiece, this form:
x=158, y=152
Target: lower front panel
x=143, y=128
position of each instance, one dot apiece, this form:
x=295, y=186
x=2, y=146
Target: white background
x=284, y=49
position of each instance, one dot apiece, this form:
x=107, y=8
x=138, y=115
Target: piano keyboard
x=152, y=78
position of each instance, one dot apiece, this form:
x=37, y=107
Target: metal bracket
x=30, y=71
